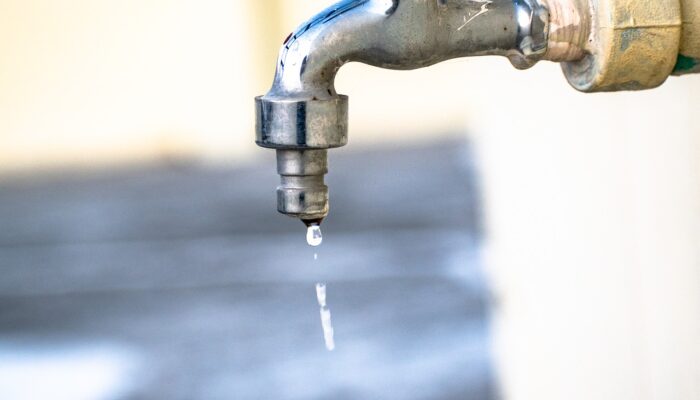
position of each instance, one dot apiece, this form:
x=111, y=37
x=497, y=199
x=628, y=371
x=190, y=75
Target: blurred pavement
x=183, y=282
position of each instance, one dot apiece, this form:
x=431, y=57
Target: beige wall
x=97, y=82
x=85, y=82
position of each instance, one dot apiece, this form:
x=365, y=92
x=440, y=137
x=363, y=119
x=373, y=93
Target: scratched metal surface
x=190, y=271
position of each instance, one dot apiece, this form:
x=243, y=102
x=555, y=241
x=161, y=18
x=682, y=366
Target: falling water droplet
x=314, y=237
x=327, y=328
x=321, y=294
x=326, y=323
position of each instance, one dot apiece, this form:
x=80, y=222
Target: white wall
x=593, y=219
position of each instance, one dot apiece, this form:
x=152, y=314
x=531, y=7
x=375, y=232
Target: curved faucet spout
x=302, y=115
x=404, y=34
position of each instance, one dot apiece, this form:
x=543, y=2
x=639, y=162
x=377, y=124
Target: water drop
x=314, y=237
x=325, y=312
x=327, y=328
x=321, y=294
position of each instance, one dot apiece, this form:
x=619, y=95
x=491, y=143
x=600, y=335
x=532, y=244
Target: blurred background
x=518, y=240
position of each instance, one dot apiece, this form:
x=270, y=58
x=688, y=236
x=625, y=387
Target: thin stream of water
x=314, y=238
x=326, y=323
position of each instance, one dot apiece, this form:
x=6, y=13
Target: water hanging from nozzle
x=314, y=237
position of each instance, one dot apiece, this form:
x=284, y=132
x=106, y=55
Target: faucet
x=302, y=116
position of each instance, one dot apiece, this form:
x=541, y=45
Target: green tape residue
x=685, y=64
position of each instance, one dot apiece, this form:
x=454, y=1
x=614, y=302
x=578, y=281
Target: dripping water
x=314, y=238
x=326, y=323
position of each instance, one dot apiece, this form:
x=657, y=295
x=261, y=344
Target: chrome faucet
x=302, y=116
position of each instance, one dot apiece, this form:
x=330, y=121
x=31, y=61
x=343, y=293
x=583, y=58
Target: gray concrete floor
x=190, y=272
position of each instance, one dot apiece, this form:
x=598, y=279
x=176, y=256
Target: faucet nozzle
x=302, y=192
